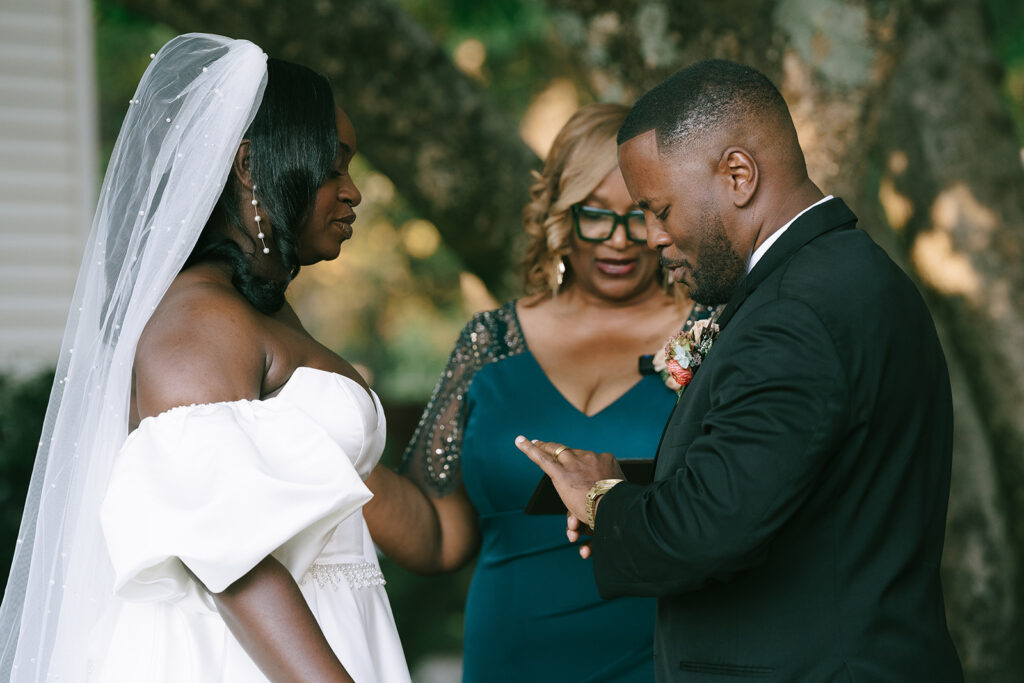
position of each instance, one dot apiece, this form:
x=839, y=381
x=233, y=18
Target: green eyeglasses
x=597, y=225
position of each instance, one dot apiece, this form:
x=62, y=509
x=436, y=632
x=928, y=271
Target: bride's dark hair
x=292, y=145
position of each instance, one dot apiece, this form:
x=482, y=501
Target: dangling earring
x=560, y=272
x=260, y=235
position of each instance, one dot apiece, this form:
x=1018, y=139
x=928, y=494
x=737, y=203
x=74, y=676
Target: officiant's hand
x=573, y=472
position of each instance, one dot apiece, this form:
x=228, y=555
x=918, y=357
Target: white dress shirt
x=763, y=249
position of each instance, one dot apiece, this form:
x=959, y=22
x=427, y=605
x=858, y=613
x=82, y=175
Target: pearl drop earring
x=260, y=235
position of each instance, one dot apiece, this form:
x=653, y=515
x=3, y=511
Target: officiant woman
x=560, y=363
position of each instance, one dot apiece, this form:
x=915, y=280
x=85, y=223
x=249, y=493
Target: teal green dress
x=533, y=612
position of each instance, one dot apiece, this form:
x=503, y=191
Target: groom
x=795, y=523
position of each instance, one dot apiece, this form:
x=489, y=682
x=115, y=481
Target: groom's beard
x=720, y=269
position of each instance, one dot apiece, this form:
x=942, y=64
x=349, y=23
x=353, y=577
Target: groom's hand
x=575, y=529
x=573, y=472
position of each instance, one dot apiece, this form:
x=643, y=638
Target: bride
x=223, y=538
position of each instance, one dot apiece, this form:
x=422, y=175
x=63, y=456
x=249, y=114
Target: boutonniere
x=683, y=354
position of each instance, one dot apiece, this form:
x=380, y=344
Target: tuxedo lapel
x=679, y=414
x=819, y=220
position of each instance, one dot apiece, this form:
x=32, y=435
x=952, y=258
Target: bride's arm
x=202, y=346
x=270, y=618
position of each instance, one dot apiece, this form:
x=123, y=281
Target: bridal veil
x=169, y=166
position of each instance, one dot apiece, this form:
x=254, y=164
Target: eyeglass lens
x=599, y=224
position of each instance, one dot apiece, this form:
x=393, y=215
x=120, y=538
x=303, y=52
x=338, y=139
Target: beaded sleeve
x=433, y=457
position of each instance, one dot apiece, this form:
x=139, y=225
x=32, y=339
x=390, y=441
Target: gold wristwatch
x=600, y=487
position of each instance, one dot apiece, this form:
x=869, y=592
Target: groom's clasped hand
x=573, y=472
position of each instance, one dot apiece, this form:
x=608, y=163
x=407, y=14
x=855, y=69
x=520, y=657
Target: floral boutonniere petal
x=662, y=368
x=683, y=354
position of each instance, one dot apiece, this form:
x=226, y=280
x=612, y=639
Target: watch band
x=600, y=487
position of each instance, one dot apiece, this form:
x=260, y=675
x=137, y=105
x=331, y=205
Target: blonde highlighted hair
x=583, y=153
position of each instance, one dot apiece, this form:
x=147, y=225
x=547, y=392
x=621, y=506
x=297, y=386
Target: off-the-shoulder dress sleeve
x=433, y=457
x=217, y=488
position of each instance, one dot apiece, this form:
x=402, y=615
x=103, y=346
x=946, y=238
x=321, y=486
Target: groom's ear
x=740, y=171
x=241, y=166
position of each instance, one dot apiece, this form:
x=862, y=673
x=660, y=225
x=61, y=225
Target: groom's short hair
x=702, y=99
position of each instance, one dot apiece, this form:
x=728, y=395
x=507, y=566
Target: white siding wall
x=48, y=171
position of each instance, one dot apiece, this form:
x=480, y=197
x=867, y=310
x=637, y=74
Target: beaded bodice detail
x=433, y=456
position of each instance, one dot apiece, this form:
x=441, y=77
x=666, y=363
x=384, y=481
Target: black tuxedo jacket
x=795, y=523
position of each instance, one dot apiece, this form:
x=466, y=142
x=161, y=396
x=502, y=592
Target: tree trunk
x=455, y=157
x=830, y=59
x=953, y=185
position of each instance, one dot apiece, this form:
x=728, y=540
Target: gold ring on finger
x=558, y=451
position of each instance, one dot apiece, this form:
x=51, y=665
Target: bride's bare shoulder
x=203, y=344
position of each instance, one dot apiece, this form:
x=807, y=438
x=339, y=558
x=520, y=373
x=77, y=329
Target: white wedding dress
x=217, y=488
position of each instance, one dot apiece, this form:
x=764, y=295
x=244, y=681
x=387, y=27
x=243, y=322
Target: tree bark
x=953, y=185
x=830, y=59
x=455, y=157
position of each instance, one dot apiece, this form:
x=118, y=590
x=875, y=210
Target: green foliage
x=1008, y=25
x=523, y=54
x=22, y=407
x=123, y=45
x=1008, y=30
